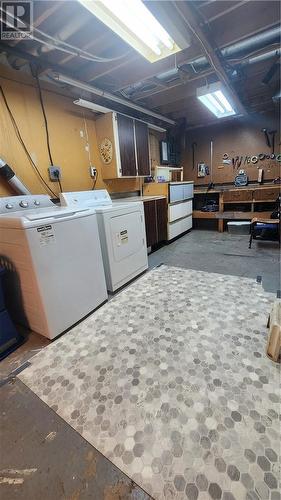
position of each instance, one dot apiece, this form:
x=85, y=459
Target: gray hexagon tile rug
x=170, y=381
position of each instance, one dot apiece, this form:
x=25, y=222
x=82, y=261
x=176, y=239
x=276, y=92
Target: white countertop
x=139, y=198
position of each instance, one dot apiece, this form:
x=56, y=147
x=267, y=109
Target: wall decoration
x=201, y=170
x=106, y=151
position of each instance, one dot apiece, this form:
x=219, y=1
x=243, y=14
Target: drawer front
x=242, y=195
x=267, y=194
x=180, y=210
x=179, y=227
x=176, y=193
x=187, y=191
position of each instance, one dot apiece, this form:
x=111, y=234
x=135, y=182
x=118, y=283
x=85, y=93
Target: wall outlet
x=54, y=173
x=93, y=171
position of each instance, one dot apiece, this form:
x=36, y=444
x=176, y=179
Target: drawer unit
x=179, y=210
x=180, y=196
x=179, y=227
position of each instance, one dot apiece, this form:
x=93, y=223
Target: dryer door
x=126, y=246
x=126, y=235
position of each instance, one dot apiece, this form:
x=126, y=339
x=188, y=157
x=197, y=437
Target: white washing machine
x=122, y=234
x=54, y=262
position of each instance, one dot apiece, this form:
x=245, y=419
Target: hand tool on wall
x=193, y=145
x=264, y=130
x=211, y=159
x=272, y=134
x=239, y=161
x=260, y=175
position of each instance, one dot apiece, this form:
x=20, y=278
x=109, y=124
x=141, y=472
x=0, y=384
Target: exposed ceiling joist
x=43, y=17
x=208, y=49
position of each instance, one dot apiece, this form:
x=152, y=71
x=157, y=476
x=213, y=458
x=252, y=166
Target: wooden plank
x=197, y=214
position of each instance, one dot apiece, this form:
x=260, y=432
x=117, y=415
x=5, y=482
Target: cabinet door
x=161, y=212
x=150, y=222
x=127, y=145
x=141, y=131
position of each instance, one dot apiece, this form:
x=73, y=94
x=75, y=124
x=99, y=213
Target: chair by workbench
x=264, y=229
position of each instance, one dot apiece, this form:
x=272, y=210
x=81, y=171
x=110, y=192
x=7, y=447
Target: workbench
x=257, y=200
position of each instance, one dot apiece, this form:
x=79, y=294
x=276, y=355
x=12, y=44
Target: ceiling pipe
x=252, y=43
x=200, y=63
x=111, y=97
x=70, y=29
x=261, y=57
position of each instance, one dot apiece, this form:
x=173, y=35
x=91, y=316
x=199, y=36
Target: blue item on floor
x=10, y=339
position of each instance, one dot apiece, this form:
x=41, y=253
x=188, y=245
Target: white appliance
x=53, y=256
x=122, y=234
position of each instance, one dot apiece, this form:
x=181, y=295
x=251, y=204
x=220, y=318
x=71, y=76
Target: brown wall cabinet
x=127, y=143
x=155, y=213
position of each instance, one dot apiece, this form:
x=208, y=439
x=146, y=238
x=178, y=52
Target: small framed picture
x=201, y=170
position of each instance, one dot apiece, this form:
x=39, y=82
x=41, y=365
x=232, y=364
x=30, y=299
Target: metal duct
x=249, y=44
x=9, y=175
x=252, y=43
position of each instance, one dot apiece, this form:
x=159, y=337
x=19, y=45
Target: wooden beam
x=189, y=16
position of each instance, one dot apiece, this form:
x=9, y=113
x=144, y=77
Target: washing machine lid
x=33, y=218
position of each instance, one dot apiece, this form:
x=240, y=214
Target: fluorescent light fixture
x=101, y=109
x=214, y=98
x=136, y=25
x=155, y=127
x=92, y=106
x=111, y=97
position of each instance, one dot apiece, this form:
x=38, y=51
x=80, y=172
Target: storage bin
x=239, y=227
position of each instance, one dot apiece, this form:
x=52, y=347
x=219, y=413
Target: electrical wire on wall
x=89, y=150
x=46, y=128
x=21, y=141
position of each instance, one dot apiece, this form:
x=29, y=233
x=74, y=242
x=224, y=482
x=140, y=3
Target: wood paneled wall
x=237, y=137
x=67, y=137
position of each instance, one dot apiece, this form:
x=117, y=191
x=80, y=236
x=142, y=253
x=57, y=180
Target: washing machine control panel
x=25, y=202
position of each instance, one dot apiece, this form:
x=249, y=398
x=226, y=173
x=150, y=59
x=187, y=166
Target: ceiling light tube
x=214, y=97
x=101, y=109
x=136, y=25
x=111, y=97
x=92, y=106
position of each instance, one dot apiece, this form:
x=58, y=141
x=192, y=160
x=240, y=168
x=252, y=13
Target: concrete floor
x=44, y=457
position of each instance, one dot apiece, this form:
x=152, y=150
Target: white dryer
x=122, y=234
x=53, y=255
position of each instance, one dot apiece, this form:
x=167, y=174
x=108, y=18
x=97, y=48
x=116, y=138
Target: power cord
x=95, y=181
x=20, y=139
x=89, y=151
x=47, y=129
x=45, y=119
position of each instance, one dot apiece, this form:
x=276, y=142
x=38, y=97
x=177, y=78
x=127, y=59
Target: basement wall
x=238, y=137
x=67, y=138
